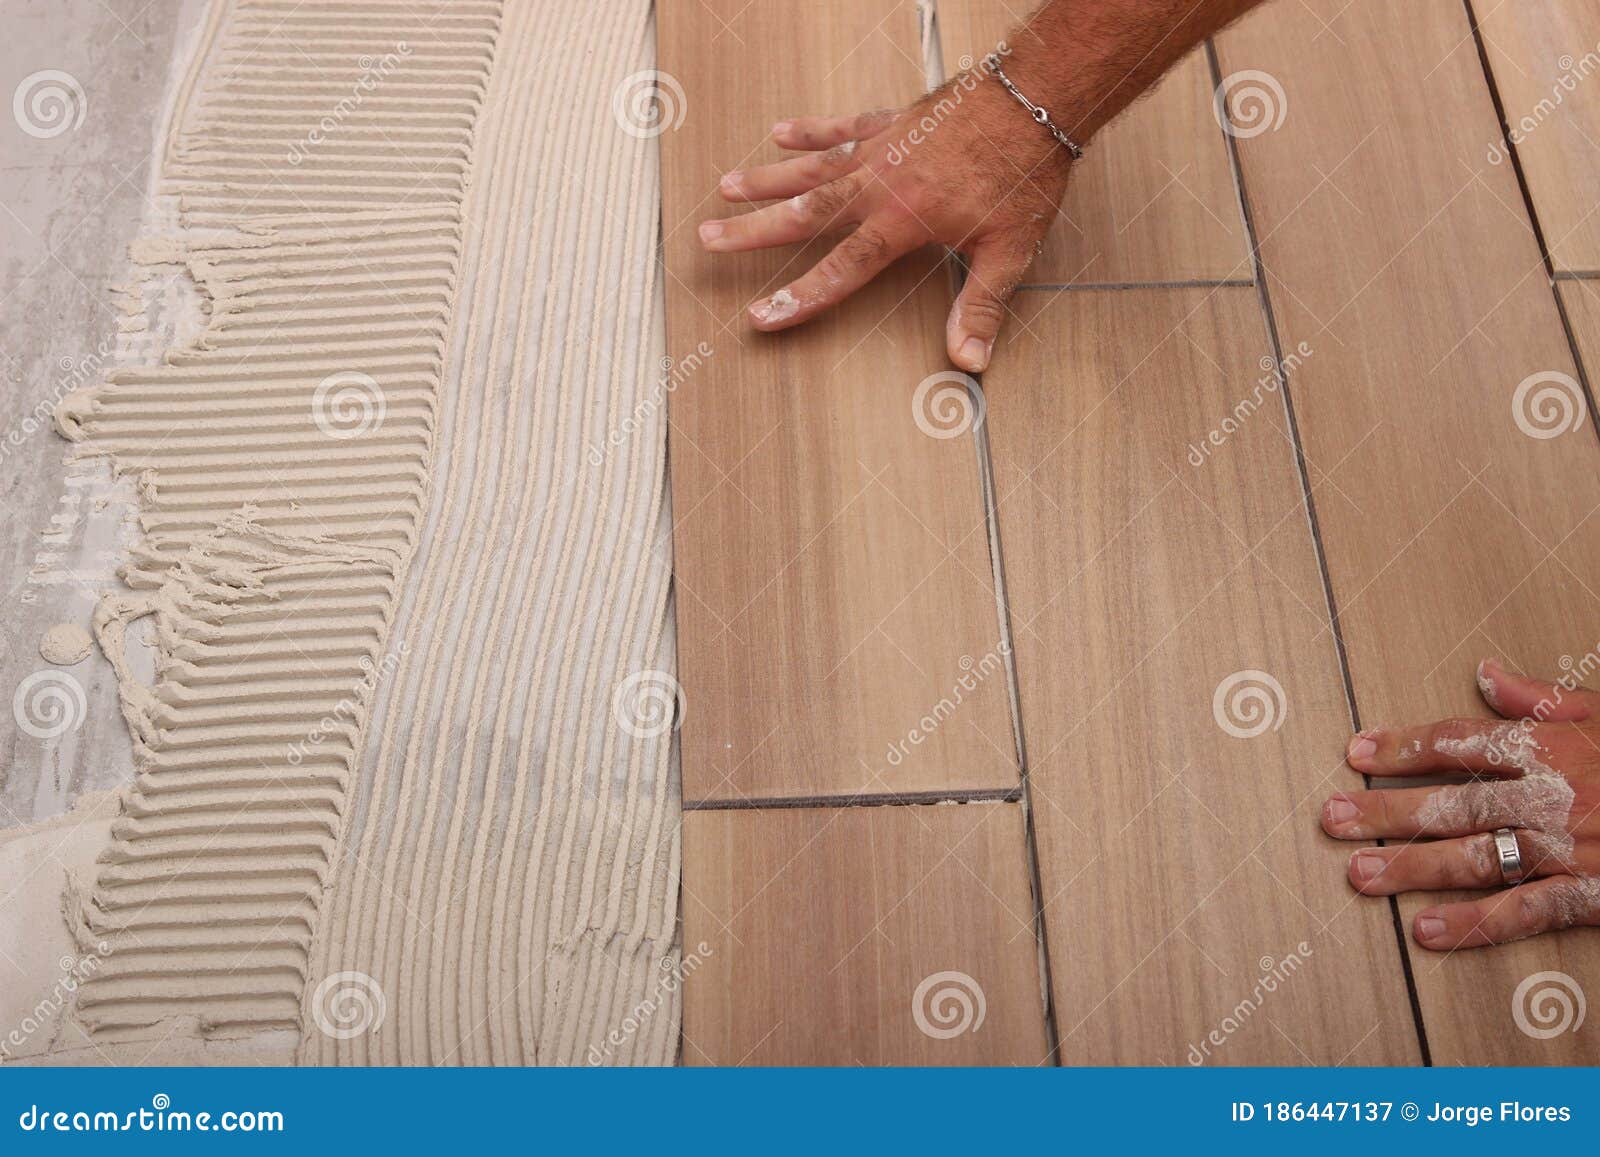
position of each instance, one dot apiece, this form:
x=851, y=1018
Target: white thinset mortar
x=394, y=368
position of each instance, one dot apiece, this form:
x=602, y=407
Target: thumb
x=996, y=266
x=1516, y=696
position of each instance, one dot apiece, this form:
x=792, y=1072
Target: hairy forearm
x=1087, y=60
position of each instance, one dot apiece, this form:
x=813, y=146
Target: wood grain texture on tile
x=1454, y=526
x=1582, y=301
x=860, y=935
x=834, y=590
x=1182, y=701
x=1153, y=198
x=1546, y=60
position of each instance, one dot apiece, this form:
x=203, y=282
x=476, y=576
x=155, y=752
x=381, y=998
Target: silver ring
x=1505, y=847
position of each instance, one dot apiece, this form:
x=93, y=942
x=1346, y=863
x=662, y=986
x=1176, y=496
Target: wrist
x=1038, y=113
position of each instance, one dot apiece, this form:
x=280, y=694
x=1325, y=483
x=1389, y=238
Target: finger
x=846, y=268
x=1494, y=746
x=1448, y=811
x=787, y=178
x=831, y=206
x=811, y=133
x=1518, y=697
x=1526, y=910
x=1469, y=862
x=995, y=268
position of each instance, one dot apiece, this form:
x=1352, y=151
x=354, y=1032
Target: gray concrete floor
x=69, y=205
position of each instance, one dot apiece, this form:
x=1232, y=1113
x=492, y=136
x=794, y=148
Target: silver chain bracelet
x=992, y=63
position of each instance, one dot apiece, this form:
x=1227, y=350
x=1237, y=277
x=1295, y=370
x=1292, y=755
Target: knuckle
x=1479, y=865
x=1482, y=805
x=984, y=310
x=826, y=201
x=867, y=247
x=1453, y=728
x=870, y=123
x=1537, y=908
x=835, y=158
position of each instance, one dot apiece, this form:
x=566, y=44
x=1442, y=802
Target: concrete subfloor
x=69, y=205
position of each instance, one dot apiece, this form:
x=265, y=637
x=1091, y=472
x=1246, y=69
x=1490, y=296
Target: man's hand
x=1541, y=778
x=964, y=167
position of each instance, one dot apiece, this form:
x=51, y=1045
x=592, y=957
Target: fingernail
x=975, y=353
x=1430, y=927
x=731, y=180
x=1362, y=747
x=1340, y=810
x=710, y=231
x=782, y=127
x=1366, y=866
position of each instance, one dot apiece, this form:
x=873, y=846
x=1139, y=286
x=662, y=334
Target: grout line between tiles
x=933, y=53
x=860, y=799
x=1264, y=293
x=1189, y=283
x=1559, y=274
